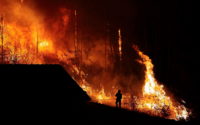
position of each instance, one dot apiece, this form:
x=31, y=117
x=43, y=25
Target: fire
x=154, y=99
x=45, y=46
x=99, y=96
x=27, y=38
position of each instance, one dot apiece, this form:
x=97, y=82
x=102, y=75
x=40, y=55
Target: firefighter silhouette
x=118, y=99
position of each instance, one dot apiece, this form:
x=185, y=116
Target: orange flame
x=154, y=98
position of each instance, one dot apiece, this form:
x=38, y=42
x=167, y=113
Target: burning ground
x=33, y=36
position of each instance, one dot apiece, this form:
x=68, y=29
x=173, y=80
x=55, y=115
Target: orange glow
x=120, y=44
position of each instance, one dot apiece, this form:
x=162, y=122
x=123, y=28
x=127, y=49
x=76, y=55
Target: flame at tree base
x=154, y=99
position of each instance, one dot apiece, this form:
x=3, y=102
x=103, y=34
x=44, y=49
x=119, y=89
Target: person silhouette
x=118, y=99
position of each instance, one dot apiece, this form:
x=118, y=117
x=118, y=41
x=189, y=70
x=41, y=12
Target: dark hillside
x=47, y=94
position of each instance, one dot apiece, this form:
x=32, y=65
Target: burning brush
x=154, y=99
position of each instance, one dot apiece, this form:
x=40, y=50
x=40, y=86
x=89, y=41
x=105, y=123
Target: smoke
x=52, y=21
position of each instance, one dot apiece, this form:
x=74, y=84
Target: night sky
x=164, y=30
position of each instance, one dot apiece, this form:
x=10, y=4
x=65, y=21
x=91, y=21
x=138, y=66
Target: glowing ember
x=120, y=44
